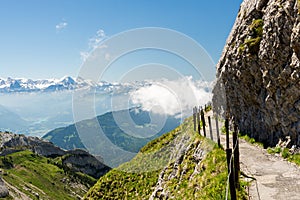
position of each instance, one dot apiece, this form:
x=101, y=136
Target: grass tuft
x=285, y=153
x=255, y=36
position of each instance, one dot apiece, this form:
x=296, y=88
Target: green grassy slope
x=184, y=176
x=40, y=177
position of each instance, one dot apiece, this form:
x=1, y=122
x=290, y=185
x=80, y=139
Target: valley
x=149, y=100
x=128, y=137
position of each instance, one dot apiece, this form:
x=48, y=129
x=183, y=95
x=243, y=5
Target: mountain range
x=11, y=85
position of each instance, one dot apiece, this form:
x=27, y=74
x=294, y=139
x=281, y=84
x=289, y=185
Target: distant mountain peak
x=24, y=85
x=67, y=79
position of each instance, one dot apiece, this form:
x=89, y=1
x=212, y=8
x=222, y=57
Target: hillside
x=180, y=164
x=129, y=137
x=35, y=169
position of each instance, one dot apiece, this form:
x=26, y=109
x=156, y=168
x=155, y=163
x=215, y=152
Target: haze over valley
x=34, y=107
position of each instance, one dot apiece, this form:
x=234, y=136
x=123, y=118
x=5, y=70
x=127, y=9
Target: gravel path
x=276, y=178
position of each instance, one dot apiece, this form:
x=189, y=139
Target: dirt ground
x=276, y=178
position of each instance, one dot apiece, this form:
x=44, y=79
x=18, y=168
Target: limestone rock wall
x=258, y=75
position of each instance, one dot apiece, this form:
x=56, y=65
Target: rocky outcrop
x=258, y=75
x=3, y=189
x=80, y=160
x=14, y=142
x=77, y=160
x=182, y=144
x=186, y=149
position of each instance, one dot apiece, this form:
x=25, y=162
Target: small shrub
x=277, y=150
x=273, y=150
x=295, y=158
x=256, y=28
x=285, y=153
x=270, y=150
x=252, y=140
x=241, y=48
x=255, y=36
x=253, y=44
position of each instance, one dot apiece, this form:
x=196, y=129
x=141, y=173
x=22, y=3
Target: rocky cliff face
x=259, y=72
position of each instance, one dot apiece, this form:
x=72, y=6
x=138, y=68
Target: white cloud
x=84, y=55
x=61, y=26
x=173, y=97
x=94, y=43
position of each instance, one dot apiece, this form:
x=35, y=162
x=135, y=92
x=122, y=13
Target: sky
x=51, y=38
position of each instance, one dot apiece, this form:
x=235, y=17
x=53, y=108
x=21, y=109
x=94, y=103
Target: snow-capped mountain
x=11, y=85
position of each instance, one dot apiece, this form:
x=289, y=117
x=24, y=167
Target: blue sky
x=45, y=39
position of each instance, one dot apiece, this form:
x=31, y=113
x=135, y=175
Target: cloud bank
x=176, y=97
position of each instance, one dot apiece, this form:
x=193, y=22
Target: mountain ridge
x=34, y=168
x=119, y=132
x=11, y=85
